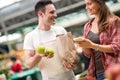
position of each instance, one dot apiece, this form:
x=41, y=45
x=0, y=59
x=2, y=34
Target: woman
x=101, y=38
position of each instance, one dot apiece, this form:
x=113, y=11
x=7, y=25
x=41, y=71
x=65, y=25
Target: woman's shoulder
x=114, y=20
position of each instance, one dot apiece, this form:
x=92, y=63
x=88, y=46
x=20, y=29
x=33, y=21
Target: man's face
x=49, y=15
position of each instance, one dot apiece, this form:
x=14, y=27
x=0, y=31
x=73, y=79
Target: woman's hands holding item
x=84, y=43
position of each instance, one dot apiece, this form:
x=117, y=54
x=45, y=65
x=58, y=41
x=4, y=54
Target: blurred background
x=17, y=18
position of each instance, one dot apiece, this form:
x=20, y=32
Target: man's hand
x=68, y=64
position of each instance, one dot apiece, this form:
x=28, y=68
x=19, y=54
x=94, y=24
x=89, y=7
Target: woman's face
x=92, y=7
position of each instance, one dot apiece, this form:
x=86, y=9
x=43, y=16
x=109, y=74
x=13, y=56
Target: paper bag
x=66, y=47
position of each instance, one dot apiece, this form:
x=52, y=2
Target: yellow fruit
x=49, y=51
x=40, y=49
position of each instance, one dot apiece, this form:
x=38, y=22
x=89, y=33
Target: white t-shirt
x=37, y=36
x=51, y=69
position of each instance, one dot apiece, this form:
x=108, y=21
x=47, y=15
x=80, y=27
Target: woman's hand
x=86, y=43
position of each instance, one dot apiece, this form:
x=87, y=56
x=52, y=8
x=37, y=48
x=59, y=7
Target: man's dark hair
x=41, y=5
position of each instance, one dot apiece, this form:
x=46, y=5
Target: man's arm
x=31, y=59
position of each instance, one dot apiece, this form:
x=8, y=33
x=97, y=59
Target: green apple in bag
x=40, y=49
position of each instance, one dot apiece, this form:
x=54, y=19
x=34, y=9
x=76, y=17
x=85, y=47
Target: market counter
x=31, y=73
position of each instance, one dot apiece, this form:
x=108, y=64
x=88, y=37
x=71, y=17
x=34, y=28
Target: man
x=51, y=67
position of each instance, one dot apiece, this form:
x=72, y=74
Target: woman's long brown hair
x=104, y=14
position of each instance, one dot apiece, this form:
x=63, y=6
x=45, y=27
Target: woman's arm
x=102, y=48
x=88, y=44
